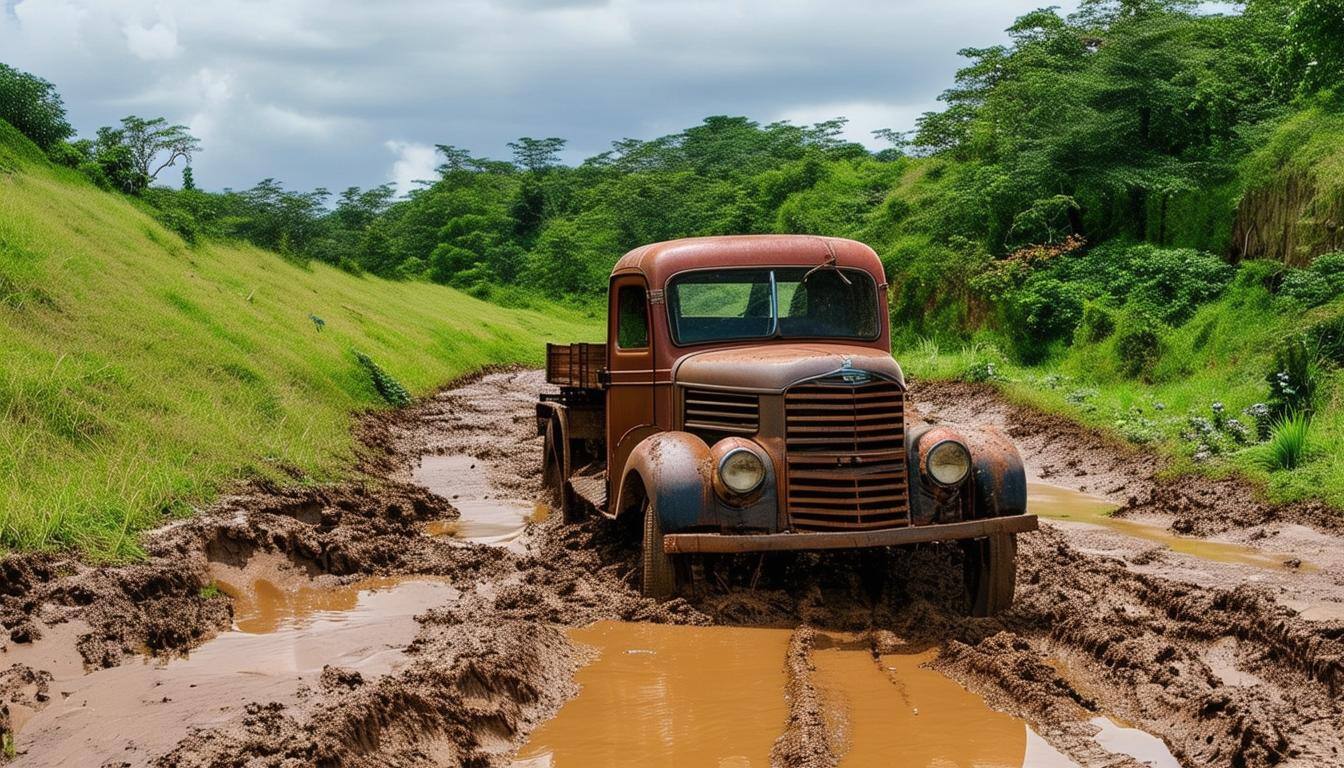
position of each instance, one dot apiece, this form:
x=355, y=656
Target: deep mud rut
x=371, y=624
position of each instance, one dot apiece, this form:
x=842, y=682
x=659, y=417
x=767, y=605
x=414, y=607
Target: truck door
x=630, y=394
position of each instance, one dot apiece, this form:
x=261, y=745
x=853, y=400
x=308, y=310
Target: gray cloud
x=338, y=93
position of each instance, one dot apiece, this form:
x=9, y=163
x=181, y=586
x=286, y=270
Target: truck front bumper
x=695, y=543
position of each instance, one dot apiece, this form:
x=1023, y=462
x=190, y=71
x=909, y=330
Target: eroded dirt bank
x=1211, y=657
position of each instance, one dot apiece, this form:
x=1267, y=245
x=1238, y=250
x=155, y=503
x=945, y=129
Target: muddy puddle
x=667, y=695
x=485, y=517
x=1067, y=505
x=888, y=705
x=285, y=637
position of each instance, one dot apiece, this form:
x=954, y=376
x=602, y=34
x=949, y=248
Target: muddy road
x=435, y=615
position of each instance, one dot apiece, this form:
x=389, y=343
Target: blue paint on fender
x=676, y=470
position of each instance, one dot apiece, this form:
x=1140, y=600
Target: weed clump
x=391, y=390
x=1287, y=447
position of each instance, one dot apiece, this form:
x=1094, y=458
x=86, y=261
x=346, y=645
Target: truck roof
x=659, y=261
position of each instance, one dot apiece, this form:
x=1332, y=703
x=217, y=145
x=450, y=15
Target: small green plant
x=1327, y=337
x=1293, y=379
x=211, y=591
x=389, y=388
x=1287, y=446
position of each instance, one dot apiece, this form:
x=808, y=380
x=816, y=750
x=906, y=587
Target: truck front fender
x=674, y=469
x=1000, y=477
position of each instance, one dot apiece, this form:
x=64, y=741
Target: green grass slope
x=1221, y=355
x=139, y=376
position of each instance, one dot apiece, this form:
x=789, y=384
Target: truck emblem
x=847, y=362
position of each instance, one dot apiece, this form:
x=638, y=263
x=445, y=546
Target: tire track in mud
x=1091, y=635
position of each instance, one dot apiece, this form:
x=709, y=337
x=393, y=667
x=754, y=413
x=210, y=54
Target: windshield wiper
x=829, y=262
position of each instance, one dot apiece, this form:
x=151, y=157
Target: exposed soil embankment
x=1218, y=668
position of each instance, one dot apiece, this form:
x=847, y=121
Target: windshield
x=789, y=302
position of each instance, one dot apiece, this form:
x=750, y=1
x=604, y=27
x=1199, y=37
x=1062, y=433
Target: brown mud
x=384, y=622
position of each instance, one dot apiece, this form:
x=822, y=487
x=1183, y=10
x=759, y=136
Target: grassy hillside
x=139, y=375
x=1207, y=371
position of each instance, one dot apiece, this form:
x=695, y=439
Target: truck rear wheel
x=991, y=573
x=553, y=479
x=658, y=577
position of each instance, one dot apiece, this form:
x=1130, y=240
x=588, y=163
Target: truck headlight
x=948, y=462
x=741, y=471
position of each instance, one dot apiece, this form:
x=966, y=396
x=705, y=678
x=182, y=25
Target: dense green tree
x=33, y=106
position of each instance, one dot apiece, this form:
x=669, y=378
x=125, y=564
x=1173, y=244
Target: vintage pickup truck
x=747, y=400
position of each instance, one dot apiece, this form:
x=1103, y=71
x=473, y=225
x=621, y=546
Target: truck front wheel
x=658, y=573
x=991, y=573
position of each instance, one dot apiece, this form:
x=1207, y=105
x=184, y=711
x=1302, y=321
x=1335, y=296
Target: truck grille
x=846, y=455
x=714, y=415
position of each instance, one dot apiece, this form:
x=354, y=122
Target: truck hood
x=773, y=367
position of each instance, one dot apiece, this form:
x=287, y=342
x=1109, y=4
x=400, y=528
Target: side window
x=632, y=317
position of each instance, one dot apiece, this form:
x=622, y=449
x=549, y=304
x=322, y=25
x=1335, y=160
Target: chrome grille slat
x=846, y=456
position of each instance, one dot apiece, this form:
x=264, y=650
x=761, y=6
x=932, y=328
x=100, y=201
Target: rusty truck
x=747, y=400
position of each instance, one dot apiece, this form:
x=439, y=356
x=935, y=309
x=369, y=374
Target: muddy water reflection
x=264, y=607
x=892, y=705
x=485, y=518
x=1053, y=502
x=660, y=695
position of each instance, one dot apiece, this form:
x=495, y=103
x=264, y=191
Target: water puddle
x=264, y=607
x=1316, y=611
x=1055, y=503
x=661, y=695
x=138, y=710
x=892, y=705
x=1144, y=747
x=485, y=518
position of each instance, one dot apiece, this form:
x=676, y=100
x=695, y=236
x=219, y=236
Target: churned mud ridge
x=1139, y=647
x=806, y=742
x=1104, y=464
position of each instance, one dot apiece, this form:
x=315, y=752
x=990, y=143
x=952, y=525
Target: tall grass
x=139, y=376
x=1287, y=445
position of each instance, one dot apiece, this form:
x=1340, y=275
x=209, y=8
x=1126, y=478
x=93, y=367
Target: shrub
x=389, y=388
x=1098, y=323
x=1138, y=344
x=1167, y=283
x=1287, y=446
x=1327, y=337
x=985, y=361
x=1305, y=287
x=1293, y=379
x=1330, y=267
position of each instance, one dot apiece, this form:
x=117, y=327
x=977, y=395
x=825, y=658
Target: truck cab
x=746, y=400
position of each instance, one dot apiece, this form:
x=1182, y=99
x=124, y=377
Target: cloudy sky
x=340, y=93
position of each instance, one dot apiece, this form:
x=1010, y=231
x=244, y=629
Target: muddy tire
x=658, y=574
x=991, y=573
x=553, y=479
